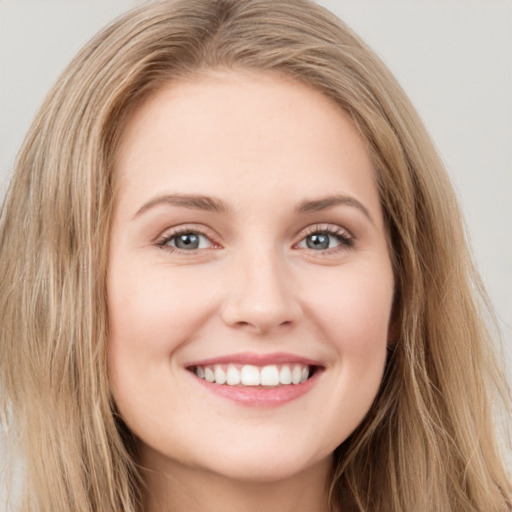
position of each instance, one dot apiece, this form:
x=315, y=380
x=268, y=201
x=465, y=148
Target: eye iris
x=187, y=241
x=318, y=241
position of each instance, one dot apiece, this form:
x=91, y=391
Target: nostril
x=262, y=303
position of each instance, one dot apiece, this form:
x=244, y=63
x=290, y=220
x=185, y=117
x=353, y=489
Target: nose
x=260, y=295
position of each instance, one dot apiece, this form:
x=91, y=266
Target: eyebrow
x=213, y=204
x=316, y=205
x=191, y=201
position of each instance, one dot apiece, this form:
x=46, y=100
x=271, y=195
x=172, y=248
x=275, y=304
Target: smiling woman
x=248, y=286
x=251, y=313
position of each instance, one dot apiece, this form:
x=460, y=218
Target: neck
x=184, y=489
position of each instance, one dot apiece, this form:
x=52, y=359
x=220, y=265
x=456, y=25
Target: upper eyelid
x=330, y=228
x=185, y=228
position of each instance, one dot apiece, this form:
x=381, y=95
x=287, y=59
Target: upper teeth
x=250, y=375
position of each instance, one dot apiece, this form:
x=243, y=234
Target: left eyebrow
x=191, y=201
x=324, y=203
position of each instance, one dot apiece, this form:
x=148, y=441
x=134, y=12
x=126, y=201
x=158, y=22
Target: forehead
x=241, y=134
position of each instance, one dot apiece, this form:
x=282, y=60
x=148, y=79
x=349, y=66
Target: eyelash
x=346, y=241
x=184, y=230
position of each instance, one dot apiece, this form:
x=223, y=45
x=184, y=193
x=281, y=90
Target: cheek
x=153, y=312
x=353, y=309
x=150, y=317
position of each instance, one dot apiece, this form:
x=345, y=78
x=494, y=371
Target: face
x=249, y=283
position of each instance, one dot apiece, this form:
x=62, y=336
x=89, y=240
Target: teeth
x=250, y=375
x=220, y=376
x=209, y=375
x=296, y=374
x=269, y=376
x=233, y=378
x=285, y=375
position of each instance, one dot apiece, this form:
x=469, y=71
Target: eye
x=325, y=239
x=186, y=241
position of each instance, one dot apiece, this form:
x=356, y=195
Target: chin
x=266, y=465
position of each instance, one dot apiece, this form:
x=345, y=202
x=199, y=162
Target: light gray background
x=453, y=57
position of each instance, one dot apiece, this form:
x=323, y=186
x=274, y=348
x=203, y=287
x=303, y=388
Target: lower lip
x=258, y=396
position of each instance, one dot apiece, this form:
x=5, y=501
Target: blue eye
x=187, y=241
x=324, y=240
x=318, y=240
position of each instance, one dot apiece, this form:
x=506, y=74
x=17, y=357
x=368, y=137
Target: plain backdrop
x=453, y=57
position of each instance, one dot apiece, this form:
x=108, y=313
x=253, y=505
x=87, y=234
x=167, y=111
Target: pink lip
x=255, y=359
x=260, y=396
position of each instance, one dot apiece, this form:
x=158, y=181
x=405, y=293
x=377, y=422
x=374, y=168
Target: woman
x=250, y=287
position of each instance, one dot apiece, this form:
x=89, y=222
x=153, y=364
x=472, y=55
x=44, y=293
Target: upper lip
x=256, y=359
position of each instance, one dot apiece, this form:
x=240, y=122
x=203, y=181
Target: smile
x=250, y=375
x=264, y=380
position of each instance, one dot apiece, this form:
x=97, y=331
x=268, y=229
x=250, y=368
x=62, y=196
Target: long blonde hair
x=429, y=442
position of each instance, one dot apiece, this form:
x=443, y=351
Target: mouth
x=252, y=375
x=261, y=380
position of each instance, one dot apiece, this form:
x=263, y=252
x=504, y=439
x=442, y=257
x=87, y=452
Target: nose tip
x=261, y=301
x=260, y=320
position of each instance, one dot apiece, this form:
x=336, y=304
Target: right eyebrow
x=316, y=205
x=191, y=201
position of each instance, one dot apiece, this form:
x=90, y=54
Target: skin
x=263, y=145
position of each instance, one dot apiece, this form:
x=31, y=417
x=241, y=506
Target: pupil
x=318, y=241
x=187, y=241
